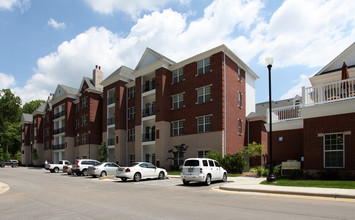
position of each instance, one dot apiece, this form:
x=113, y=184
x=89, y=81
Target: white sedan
x=140, y=170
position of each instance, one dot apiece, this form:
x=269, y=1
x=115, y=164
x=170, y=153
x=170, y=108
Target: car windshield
x=133, y=164
x=103, y=163
x=192, y=163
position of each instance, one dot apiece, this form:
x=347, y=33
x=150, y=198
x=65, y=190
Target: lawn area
x=315, y=183
x=178, y=173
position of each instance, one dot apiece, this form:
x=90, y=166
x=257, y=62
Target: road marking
x=285, y=196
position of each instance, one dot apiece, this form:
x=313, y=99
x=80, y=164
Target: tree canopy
x=29, y=107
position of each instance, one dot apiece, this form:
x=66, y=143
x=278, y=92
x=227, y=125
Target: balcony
x=58, y=146
x=148, y=136
x=59, y=114
x=148, y=86
x=59, y=130
x=110, y=100
x=148, y=111
x=111, y=121
x=110, y=141
x=284, y=113
x=330, y=92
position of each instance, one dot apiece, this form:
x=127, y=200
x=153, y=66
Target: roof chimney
x=98, y=77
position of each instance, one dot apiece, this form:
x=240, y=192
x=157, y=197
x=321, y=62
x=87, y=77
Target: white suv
x=81, y=166
x=202, y=170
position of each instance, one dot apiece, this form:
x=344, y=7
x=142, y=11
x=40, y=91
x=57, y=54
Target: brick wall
x=289, y=148
x=313, y=145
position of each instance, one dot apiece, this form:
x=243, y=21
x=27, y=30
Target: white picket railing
x=284, y=113
x=330, y=92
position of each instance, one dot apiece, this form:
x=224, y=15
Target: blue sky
x=45, y=43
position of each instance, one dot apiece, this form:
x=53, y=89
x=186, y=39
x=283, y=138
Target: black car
x=12, y=163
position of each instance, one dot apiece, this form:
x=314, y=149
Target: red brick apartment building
x=318, y=127
x=141, y=114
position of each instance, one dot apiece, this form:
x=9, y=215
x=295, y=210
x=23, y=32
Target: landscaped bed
x=314, y=183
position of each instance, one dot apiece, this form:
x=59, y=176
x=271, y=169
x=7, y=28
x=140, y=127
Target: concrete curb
x=4, y=188
x=294, y=192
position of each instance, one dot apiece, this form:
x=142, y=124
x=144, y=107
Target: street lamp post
x=271, y=177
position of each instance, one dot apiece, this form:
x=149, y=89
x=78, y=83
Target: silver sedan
x=103, y=169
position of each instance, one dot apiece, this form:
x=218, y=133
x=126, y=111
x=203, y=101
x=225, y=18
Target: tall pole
x=271, y=177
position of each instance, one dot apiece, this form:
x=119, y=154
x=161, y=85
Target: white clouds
x=23, y=5
x=6, y=81
x=297, y=89
x=309, y=33
x=131, y=7
x=56, y=25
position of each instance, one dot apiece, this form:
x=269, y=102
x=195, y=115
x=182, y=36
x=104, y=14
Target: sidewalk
x=252, y=184
x=3, y=188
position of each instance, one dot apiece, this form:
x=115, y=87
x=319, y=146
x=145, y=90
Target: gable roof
x=123, y=73
x=62, y=92
x=150, y=56
x=26, y=118
x=40, y=110
x=347, y=56
x=90, y=83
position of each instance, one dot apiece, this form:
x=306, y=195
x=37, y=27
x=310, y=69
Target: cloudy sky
x=45, y=43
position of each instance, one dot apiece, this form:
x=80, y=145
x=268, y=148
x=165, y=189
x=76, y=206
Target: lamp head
x=269, y=60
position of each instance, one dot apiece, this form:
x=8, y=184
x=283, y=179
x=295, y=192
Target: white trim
x=328, y=109
x=285, y=125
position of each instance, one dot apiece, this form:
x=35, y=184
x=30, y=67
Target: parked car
x=202, y=170
x=10, y=163
x=140, y=170
x=46, y=165
x=103, y=169
x=80, y=166
x=56, y=167
x=67, y=169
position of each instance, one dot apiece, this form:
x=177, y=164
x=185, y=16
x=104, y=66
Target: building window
x=77, y=123
x=131, y=134
x=84, y=138
x=84, y=120
x=203, y=66
x=240, y=100
x=202, y=154
x=77, y=107
x=178, y=128
x=204, y=94
x=131, y=92
x=204, y=124
x=178, y=101
x=240, y=126
x=77, y=140
x=84, y=103
x=334, y=150
x=239, y=74
x=178, y=75
x=132, y=158
x=47, y=131
x=131, y=113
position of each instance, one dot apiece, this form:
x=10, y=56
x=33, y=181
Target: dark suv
x=80, y=166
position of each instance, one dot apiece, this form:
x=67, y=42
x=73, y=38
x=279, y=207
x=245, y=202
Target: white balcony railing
x=330, y=92
x=284, y=113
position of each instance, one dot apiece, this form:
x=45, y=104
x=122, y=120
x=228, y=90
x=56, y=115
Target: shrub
x=296, y=174
x=259, y=170
x=265, y=172
x=234, y=163
x=215, y=155
x=277, y=171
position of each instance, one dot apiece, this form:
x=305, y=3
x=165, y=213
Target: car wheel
x=161, y=175
x=103, y=174
x=68, y=173
x=124, y=179
x=85, y=172
x=186, y=182
x=208, y=180
x=137, y=177
x=52, y=171
x=56, y=170
x=224, y=179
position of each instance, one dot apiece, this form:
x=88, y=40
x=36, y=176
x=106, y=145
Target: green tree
x=11, y=137
x=103, y=152
x=18, y=157
x=254, y=149
x=31, y=106
x=216, y=156
x=2, y=159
